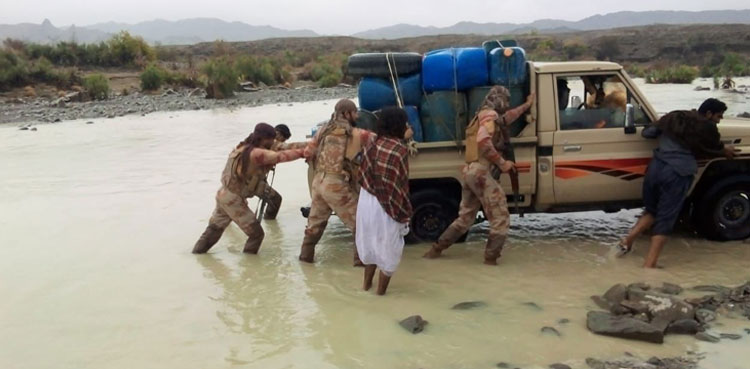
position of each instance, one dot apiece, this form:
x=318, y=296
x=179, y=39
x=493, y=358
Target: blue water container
x=507, y=66
x=416, y=124
x=367, y=120
x=454, y=68
x=375, y=93
x=443, y=115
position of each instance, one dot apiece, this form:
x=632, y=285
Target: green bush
x=330, y=80
x=126, y=50
x=675, y=74
x=97, y=86
x=152, y=78
x=221, y=78
x=258, y=70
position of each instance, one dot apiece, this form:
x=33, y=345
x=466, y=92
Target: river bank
x=29, y=111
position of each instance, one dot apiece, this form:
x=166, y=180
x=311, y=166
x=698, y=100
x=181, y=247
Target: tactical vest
x=496, y=132
x=338, y=149
x=250, y=185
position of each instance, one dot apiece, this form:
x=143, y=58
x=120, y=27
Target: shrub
x=97, y=86
x=675, y=74
x=126, y=50
x=221, y=78
x=329, y=80
x=152, y=78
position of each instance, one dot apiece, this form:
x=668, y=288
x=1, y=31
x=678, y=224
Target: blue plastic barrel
x=375, y=93
x=367, y=120
x=443, y=115
x=454, y=68
x=416, y=124
x=507, y=66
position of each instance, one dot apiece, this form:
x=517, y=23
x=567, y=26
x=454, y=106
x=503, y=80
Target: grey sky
x=335, y=16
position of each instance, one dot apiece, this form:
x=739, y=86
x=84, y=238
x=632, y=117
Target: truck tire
x=375, y=64
x=723, y=212
x=433, y=213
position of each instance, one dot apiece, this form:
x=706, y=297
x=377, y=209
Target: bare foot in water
x=369, y=275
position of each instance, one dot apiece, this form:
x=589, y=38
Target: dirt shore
x=44, y=110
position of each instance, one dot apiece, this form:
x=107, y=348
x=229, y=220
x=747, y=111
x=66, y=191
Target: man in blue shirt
x=683, y=137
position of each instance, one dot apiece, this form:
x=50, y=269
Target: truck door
x=594, y=159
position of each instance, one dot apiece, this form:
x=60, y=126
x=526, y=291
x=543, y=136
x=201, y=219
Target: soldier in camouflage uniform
x=334, y=152
x=485, y=137
x=270, y=196
x=242, y=178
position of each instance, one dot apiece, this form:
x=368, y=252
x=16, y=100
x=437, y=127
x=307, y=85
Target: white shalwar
x=379, y=238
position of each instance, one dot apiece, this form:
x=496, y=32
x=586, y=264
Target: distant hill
x=190, y=31
x=48, y=33
x=182, y=32
x=596, y=22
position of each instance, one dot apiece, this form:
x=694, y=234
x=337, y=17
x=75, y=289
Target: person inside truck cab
x=600, y=109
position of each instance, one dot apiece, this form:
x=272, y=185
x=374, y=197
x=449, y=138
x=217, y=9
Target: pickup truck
x=572, y=156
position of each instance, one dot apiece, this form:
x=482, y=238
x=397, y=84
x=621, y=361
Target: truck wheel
x=723, y=212
x=433, y=211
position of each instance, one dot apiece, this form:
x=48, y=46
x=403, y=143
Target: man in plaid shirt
x=384, y=209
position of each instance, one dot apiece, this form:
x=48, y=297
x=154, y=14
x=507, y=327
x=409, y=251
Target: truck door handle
x=572, y=148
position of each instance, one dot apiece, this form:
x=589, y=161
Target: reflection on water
x=95, y=272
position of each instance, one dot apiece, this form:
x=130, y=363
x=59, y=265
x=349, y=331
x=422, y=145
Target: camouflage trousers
x=330, y=193
x=273, y=202
x=232, y=207
x=480, y=190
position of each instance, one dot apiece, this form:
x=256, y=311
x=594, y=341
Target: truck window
x=594, y=102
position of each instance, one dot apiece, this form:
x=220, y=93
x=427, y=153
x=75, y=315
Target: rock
x=469, y=305
x=551, y=331
x=89, y=122
x=713, y=288
x=743, y=115
x=663, y=307
x=705, y=316
x=607, y=324
x=639, y=286
x=414, y=324
x=559, y=366
x=32, y=129
x=601, y=302
x=642, y=317
x=23, y=129
x=730, y=336
x=655, y=361
x=563, y=321
x=702, y=88
x=533, y=305
x=616, y=294
x=660, y=324
x=670, y=289
x=684, y=326
x=705, y=337
x=636, y=307
x=700, y=301
x=169, y=92
x=595, y=364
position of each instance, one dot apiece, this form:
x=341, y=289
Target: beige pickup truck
x=575, y=156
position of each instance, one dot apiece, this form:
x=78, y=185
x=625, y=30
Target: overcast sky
x=334, y=16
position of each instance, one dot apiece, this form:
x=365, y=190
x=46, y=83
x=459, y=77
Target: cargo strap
x=399, y=98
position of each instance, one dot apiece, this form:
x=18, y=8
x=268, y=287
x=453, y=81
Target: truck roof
x=574, y=66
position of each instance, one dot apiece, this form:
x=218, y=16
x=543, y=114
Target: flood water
x=97, y=223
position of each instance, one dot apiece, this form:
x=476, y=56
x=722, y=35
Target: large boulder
x=662, y=307
x=616, y=294
x=607, y=324
x=414, y=324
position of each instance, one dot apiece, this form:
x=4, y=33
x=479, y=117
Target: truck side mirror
x=630, y=119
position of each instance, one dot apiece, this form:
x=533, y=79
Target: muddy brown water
x=97, y=221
